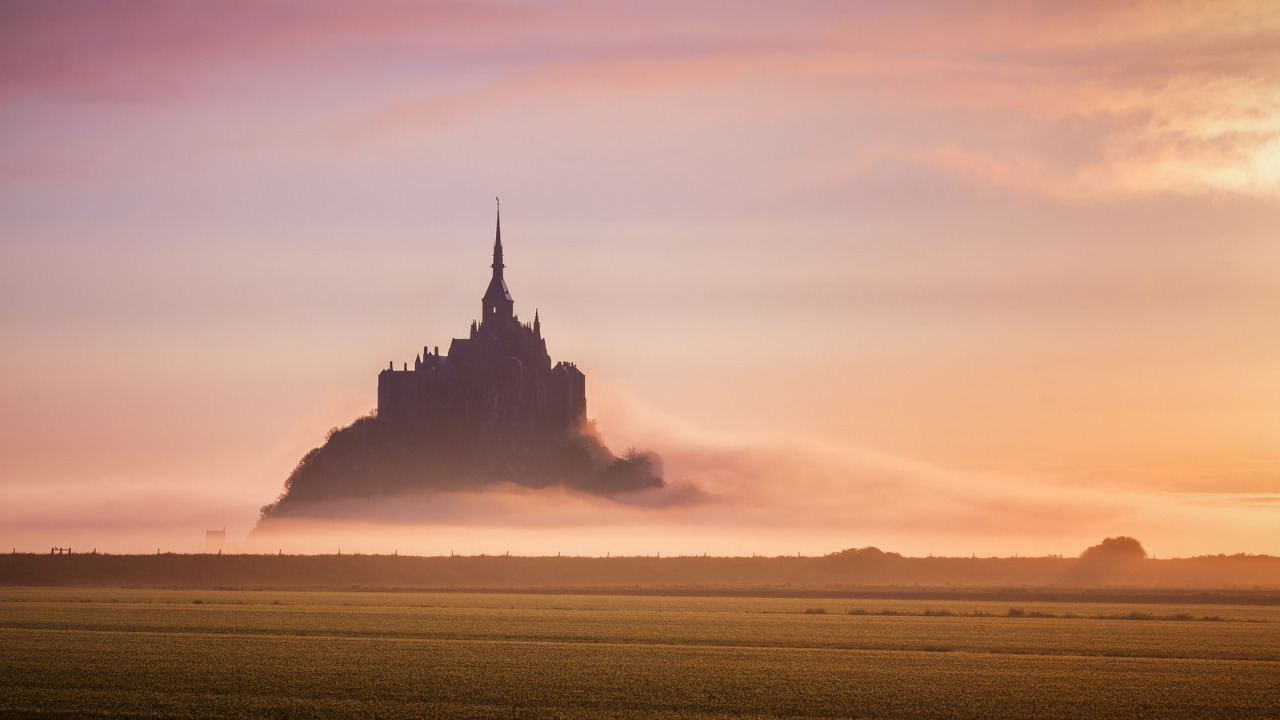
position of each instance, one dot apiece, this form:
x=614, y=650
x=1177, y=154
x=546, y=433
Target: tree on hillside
x=1115, y=549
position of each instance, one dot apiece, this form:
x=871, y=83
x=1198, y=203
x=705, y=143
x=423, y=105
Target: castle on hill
x=493, y=410
x=498, y=377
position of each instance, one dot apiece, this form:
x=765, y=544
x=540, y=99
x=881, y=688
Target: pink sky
x=995, y=277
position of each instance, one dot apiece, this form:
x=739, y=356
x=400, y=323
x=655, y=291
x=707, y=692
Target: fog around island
x=724, y=496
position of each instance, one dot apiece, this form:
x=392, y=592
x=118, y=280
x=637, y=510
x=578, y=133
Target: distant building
x=499, y=376
x=215, y=540
x=494, y=409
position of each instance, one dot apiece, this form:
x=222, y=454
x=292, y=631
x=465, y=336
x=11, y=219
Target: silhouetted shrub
x=1115, y=549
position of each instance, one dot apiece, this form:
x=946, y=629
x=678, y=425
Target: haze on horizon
x=995, y=278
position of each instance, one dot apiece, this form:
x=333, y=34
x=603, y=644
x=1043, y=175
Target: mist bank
x=867, y=568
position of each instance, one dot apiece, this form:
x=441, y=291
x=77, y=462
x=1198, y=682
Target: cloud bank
x=727, y=495
x=773, y=496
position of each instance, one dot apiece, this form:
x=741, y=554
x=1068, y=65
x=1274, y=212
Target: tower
x=498, y=309
x=497, y=376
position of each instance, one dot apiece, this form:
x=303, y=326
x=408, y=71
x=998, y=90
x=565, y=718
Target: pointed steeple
x=497, y=245
x=498, y=308
x=537, y=324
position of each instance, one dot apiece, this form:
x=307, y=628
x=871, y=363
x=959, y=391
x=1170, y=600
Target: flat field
x=203, y=653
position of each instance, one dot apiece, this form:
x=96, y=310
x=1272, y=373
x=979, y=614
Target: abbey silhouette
x=492, y=410
x=500, y=376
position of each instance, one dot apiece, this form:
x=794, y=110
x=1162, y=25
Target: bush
x=1114, y=549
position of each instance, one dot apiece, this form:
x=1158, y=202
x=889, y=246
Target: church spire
x=497, y=245
x=497, y=305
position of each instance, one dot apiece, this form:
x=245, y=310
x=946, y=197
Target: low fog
x=724, y=495
x=780, y=496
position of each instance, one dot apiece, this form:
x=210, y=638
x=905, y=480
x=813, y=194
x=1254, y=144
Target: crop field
x=201, y=653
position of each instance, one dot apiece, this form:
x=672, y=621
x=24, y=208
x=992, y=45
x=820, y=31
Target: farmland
x=236, y=653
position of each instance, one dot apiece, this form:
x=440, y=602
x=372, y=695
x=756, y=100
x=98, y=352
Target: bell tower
x=497, y=306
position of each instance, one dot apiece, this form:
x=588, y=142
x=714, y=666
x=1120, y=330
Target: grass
x=157, y=653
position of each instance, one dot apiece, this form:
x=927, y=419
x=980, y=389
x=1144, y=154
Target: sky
x=951, y=278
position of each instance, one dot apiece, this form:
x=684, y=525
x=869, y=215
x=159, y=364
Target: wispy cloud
x=1086, y=102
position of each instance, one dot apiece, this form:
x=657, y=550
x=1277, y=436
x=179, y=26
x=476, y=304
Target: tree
x=1115, y=549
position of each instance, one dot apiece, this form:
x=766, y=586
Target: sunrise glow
x=992, y=278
